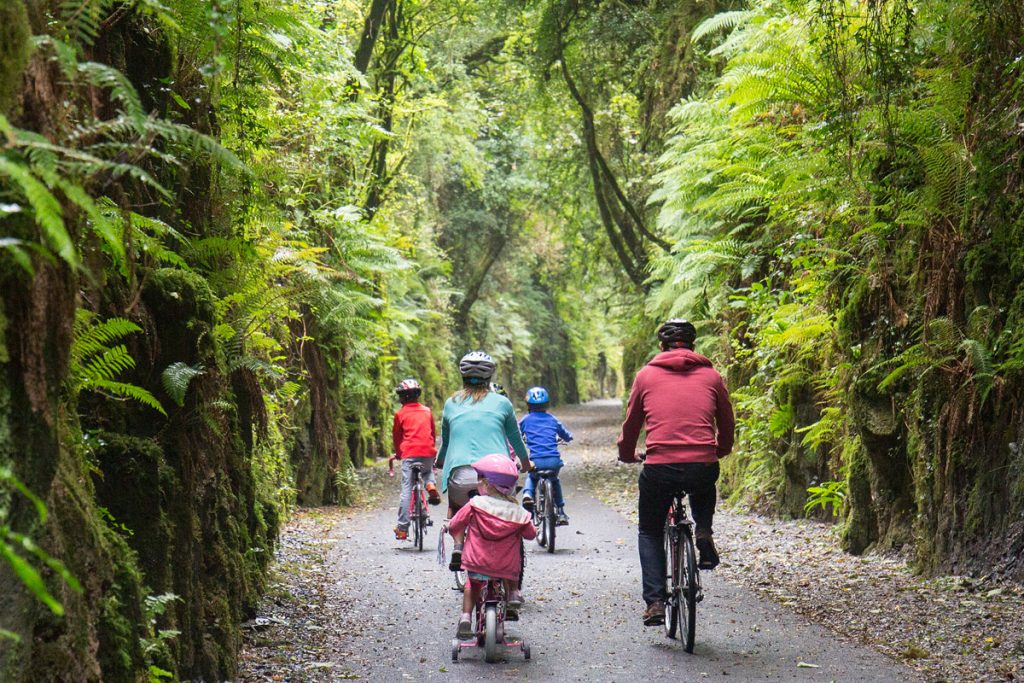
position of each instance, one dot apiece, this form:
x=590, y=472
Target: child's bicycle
x=418, y=518
x=489, y=617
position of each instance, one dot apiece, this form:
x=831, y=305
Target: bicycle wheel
x=418, y=516
x=550, y=515
x=672, y=579
x=491, y=633
x=687, y=593
x=460, y=580
x=538, y=516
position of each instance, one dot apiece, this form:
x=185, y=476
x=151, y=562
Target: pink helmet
x=499, y=471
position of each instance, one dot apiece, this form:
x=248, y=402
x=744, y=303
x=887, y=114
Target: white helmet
x=476, y=365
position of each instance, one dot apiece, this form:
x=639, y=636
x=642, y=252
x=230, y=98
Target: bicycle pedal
x=700, y=596
x=430, y=522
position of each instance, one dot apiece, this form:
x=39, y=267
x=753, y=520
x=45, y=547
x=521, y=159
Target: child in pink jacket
x=495, y=524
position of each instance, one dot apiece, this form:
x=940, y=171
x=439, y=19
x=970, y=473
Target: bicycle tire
x=688, y=591
x=460, y=580
x=418, y=516
x=672, y=579
x=538, y=516
x=491, y=633
x=550, y=516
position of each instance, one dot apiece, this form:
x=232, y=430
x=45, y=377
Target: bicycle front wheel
x=688, y=591
x=550, y=516
x=672, y=582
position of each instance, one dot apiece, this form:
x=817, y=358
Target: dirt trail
x=381, y=611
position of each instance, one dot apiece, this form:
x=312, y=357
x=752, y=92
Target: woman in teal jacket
x=476, y=422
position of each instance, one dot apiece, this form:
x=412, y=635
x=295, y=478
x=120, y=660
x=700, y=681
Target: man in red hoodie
x=683, y=404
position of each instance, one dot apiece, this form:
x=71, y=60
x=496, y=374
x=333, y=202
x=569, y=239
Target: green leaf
x=30, y=577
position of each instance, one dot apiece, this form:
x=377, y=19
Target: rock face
x=138, y=505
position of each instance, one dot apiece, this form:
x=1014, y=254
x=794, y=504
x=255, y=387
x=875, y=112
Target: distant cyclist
x=541, y=431
x=476, y=422
x=413, y=434
x=684, y=406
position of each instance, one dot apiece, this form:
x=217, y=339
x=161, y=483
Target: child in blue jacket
x=541, y=431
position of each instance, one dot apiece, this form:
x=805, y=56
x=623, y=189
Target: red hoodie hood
x=680, y=360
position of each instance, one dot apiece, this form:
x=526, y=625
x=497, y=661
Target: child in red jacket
x=414, y=437
x=495, y=523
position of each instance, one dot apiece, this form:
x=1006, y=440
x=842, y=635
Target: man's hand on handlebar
x=635, y=457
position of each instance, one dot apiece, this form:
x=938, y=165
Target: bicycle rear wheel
x=418, y=516
x=491, y=633
x=539, y=517
x=550, y=515
x=672, y=579
x=687, y=591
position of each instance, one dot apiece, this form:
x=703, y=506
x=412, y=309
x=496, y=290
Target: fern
x=176, y=377
x=95, y=364
x=719, y=23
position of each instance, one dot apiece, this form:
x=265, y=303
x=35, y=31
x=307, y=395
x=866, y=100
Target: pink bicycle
x=489, y=617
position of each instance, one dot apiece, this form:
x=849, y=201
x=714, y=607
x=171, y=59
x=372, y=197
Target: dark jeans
x=658, y=485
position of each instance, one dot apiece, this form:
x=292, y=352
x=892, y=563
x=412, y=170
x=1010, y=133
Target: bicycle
x=682, y=574
x=545, y=515
x=489, y=617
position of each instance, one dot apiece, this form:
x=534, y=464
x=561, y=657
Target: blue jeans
x=658, y=485
x=427, y=466
x=556, y=485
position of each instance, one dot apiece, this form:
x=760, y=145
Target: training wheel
x=455, y=650
x=526, y=651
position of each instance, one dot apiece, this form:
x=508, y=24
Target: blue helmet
x=537, y=395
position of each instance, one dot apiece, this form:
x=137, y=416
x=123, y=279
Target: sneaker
x=465, y=629
x=515, y=600
x=456, y=562
x=562, y=519
x=708, y=553
x=654, y=615
x=528, y=502
x=433, y=497
x=401, y=534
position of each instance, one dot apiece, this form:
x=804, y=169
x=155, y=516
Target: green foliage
x=176, y=377
x=829, y=493
x=95, y=364
x=22, y=554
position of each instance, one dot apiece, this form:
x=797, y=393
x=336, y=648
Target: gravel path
x=368, y=607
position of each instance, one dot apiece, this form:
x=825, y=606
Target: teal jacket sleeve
x=445, y=432
x=514, y=437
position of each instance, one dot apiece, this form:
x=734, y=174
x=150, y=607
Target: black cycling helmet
x=478, y=366
x=676, y=332
x=408, y=389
